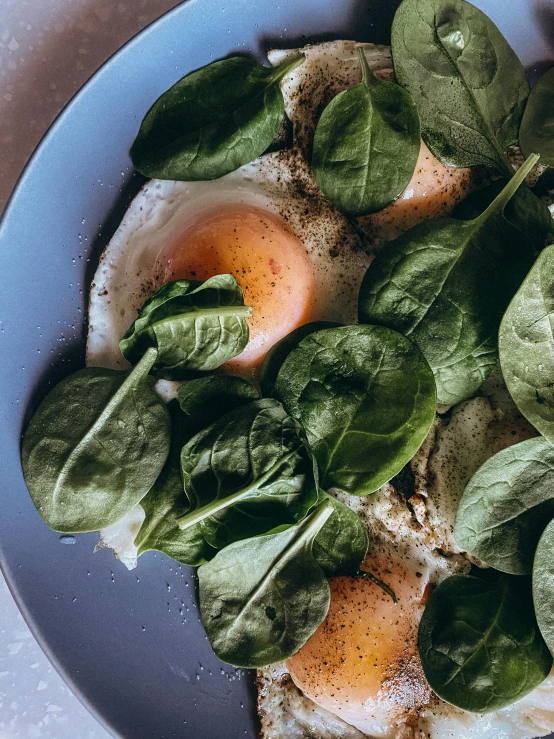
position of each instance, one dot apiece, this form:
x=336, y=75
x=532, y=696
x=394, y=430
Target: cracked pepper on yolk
x=268, y=261
x=362, y=663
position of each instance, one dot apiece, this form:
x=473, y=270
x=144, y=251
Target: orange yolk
x=362, y=663
x=433, y=191
x=268, y=261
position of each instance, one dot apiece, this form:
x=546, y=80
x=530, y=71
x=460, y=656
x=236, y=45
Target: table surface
x=48, y=49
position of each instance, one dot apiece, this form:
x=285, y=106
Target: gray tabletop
x=48, y=49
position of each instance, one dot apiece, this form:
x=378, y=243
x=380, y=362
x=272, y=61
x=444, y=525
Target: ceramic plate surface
x=130, y=643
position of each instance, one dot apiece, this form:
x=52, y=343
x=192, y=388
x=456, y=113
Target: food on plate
x=525, y=346
x=267, y=223
x=366, y=144
x=193, y=325
x=423, y=609
x=468, y=85
x=212, y=121
x=366, y=399
x=95, y=446
x=466, y=272
x=537, y=124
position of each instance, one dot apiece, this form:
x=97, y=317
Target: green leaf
x=366, y=144
x=366, y=398
x=543, y=585
x=195, y=326
x=536, y=134
x=248, y=473
x=95, y=446
x=213, y=120
x=280, y=351
x=506, y=506
x=526, y=345
x=445, y=284
x=261, y=599
x=206, y=399
x=166, y=500
x=479, y=642
x=467, y=83
x=342, y=542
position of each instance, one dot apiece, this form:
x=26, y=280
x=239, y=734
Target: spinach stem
x=383, y=585
x=288, y=64
x=240, y=311
x=198, y=515
x=368, y=78
x=502, y=199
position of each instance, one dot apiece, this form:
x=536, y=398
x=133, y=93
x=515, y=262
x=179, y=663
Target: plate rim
x=5, y=217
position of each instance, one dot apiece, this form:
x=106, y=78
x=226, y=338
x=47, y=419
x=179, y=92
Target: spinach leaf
x=247, y=473
x=195, y=326
x=467, y=83
x=543, y=585
x=479, y=642
x=366, y=144
x=166, y=500
x=506, y=505
x=213, y=120
x=537, y=126
x=342, y=542
x=280, y=351
x=261, y=599
x=445, y=284
x=206, y=399
x=95, y=446
x=526, y=345
x=365, y=396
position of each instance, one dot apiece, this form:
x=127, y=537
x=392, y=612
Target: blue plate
x=130, y=643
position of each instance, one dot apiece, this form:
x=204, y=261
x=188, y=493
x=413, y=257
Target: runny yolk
x=268, y=261
x=362, y=664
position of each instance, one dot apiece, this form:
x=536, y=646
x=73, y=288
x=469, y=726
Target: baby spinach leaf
x=467, y=83
x=537, y=125
x=206, y=399
x=445, y=284
x=280, y=351
x=506, y=505
x=342, y=542
x=261, y=599
x=247, y=473
x=213, y=120
x=366, y=144
x=526, y=345
x=543, y=585
x=195, y=326
x=166, y=500
x=95, y=446
x=365, y=396
x=479, y=642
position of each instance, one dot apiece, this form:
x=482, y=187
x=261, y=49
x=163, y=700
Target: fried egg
x=360, y=675
x=298, y=259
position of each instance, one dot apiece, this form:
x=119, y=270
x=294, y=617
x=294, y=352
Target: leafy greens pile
x=238, y=485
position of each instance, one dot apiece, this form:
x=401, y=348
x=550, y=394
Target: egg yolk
x=268, y=261
x=362, y=664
